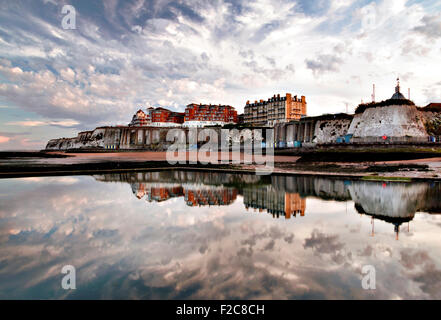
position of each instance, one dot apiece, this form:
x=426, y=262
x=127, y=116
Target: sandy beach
x=60, y=163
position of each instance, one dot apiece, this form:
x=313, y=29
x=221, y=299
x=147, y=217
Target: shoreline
x=332, y=175
x=64, y=164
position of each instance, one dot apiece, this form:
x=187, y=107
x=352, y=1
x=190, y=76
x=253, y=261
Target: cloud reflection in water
x=185, y=235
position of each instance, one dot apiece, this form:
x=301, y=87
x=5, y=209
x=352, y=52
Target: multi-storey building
x=157, y=117
x=140, y=118
x=275, y=110
x=198, y=115
x=154, y=192
x=240, y=118
x=273, y=201
x=210, y=197
x=162, y=115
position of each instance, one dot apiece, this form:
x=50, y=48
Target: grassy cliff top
x=385, y=103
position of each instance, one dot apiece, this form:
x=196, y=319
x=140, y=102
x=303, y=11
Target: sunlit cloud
x=4, y=139
x=130, y=54
x=34, y=123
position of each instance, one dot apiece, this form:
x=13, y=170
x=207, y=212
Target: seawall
x=398, y=123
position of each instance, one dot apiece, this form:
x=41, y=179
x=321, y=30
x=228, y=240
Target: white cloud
x=37, y=123
x=431, y=26
x=165, y=55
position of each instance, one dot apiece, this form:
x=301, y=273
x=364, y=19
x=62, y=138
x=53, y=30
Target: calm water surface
x=195, y=235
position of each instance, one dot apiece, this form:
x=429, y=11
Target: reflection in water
x=275, y=202
x=285, y=196
x=187, y=235
x=193, y=197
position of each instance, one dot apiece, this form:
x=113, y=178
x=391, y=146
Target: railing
x=395, y=140
x=432, y=140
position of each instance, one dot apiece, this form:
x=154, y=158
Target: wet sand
x=156, y=156
x=85, y=163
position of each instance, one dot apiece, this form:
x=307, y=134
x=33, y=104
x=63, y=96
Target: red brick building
x=165, y=115
x=210, y=114
x=156, y=116
x=208, y=197
x=195, y=115
x=205, y=197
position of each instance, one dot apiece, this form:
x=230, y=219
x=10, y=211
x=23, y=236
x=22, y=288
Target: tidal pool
x=205, y=235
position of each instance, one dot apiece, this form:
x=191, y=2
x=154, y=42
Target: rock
x=391, y=121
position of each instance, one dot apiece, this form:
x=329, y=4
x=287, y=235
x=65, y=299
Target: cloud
x=431, y=26
x=367, y=251
x=127, y=54
x=19, y=140
x=430, y=280
x=270, y=245
x=313, y=7
x=322, y=243
x=327, y=245
x=410, y=260
x=36, y=123
x=432, y=92
x=101, y=228
x=4, y=139
x=424, y=270
x=324, y=63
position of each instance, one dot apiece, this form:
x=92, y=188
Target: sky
x=126, y=55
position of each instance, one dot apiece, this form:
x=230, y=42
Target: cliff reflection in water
x=284, y=196
x=189, y=235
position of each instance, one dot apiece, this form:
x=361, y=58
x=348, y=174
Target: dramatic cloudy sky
x=126, y=54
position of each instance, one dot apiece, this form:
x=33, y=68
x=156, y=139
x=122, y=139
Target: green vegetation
x=400, y=167
x=382, y=178
x=329, y=116
x=376, y=149
x=363, y=154
x=390, y=102
x=433, y=127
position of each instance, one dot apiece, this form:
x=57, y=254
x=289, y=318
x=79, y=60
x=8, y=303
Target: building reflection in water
x=285, y=196
x=193, y=197
x=274, y=202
